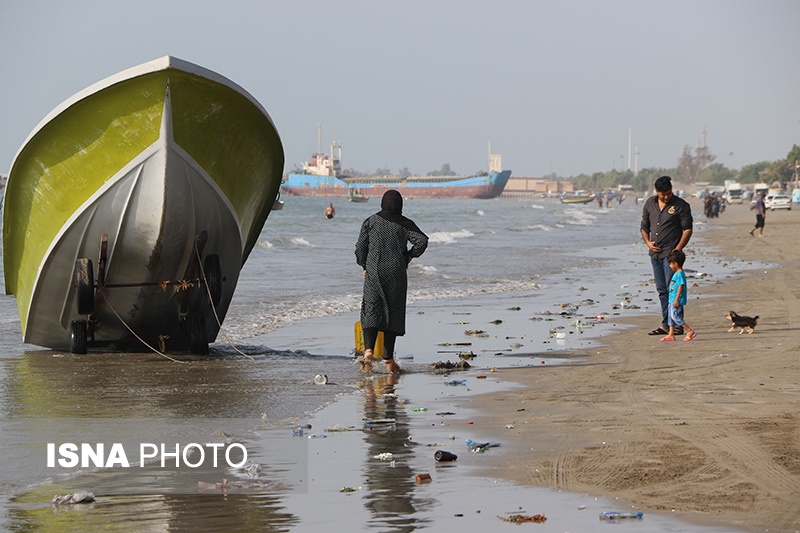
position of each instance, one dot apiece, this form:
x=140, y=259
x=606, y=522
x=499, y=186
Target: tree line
x=696, y=166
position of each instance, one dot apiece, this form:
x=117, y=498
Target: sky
x=556, y=85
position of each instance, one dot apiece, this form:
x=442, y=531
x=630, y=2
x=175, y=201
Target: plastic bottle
x=456, y=382
x=614, y=515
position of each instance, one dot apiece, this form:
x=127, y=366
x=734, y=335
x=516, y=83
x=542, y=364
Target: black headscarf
x=392, y=210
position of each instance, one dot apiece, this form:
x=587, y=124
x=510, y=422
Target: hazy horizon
x=555, y=85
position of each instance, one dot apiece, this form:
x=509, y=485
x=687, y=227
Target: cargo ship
x=322, y=176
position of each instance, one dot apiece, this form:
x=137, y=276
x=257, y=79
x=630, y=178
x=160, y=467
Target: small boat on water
x=132, y=207
x=354, y=195
x=578, y=199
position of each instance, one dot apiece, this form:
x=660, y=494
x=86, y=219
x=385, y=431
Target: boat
x=277, y=205
x=355, y=195
x=578, y=199
x=322, y=176
x=131, y=208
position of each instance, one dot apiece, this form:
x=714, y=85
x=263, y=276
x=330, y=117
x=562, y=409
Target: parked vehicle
x=777, y=201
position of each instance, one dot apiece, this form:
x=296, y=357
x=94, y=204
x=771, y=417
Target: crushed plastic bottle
x=456, y=382
x=297, y=432
x=615, y=515
x=480, y=447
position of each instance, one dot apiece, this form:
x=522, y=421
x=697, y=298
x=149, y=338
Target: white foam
x=449, y=237
x=294, y=241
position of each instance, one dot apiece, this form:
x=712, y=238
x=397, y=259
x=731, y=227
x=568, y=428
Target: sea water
x=297, y=293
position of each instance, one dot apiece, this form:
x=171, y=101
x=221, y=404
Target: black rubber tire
x=213, y=271
x=198, y=336
x=84, y=286
x=78, y=341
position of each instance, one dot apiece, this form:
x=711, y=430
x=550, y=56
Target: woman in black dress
x=382, y=251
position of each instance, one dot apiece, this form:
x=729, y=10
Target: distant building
x=536, y=187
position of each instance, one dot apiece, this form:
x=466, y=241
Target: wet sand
x=708, y=430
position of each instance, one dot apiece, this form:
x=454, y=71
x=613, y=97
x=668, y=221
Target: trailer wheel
x=198, y=337
x=84, y=286
x=78, y=342
x=213, y=273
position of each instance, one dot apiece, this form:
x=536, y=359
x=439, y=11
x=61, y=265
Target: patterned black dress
x=382, y=250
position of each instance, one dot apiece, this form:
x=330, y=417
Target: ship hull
x=485, y=186
x=159, y=179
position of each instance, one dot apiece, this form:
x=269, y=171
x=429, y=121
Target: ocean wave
x=480, y=212
x=449, y=237
x=264, y=245
x=422, y=269
x=579, y=217
x=294, y=241
x=244, y=322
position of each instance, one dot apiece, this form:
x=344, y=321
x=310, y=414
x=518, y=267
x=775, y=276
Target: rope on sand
x=214, y=308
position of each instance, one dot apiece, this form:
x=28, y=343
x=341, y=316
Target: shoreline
x=706, y=429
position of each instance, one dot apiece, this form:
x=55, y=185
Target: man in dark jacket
x=666, y=226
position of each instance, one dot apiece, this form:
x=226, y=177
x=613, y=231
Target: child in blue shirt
x=677, y=297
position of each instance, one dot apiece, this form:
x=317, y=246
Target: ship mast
x=319, y=138
x=495, y=160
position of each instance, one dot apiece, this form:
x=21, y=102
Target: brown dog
x=742, y=322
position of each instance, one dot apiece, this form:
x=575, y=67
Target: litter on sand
x=614, y=515
x=519, y=518
x=480, y=447
x=75, y=497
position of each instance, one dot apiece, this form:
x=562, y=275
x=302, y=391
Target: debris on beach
x=379, y=421
x=496, y=322
x=515, y=308
x=443, y=456
x=449, y=365
x=615, y=515
x=250, y=470
x=385, y=456
x=349, y=489
x=519, y=518
x=456, y=382
x=480, y=447
x=476, y=333
x=340, y=427
x=422, y=478
x=73, y=498
x=455, y=344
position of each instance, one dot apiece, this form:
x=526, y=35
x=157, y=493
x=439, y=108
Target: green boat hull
x=153, y=176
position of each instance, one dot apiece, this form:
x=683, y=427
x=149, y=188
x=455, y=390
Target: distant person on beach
x=677, y=298
x=382, y=251
x=330, y=212
x=761, y=214
x=666, y=226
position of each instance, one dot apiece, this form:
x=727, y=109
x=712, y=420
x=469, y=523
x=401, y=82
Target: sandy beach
x=707, y=429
